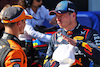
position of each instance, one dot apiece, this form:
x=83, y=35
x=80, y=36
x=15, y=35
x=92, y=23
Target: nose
x=58, y=18
x=41, y=1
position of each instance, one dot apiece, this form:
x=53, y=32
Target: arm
x=45, y=13
x=50, y=18
x=15, y=58
x=35, y=34
x=90, y=46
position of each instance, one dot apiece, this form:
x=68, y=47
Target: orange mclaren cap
x=14, y=14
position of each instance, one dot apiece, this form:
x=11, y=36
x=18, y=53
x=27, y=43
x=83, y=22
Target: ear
x=18, y=24
x=74, y=14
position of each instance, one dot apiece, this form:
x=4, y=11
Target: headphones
x=28, y=3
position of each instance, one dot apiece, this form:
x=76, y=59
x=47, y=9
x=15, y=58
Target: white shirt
x=29, y=32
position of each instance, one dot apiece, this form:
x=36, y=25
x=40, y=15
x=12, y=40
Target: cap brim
x=57, y=12
x=53, y=12
x=28, y=17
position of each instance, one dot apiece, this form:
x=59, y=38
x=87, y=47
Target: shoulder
x=89, y=32
x=14, y=45
x=88, y=29
x=16, y=48
x=43, y=8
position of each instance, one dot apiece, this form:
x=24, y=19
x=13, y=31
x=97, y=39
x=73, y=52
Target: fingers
x=64, y=37
x=69, y=40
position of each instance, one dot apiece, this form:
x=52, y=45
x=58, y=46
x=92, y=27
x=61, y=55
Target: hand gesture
x=69, y=40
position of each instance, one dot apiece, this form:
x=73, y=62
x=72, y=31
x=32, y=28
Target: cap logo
x=58, y=6
x=71, y=9
x=59, y=11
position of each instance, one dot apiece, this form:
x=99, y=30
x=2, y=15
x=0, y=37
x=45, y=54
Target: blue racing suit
x=83, y=54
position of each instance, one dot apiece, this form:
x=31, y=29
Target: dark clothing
x=15, y=56
x=29, y=51
x=82, y=54
x=1, y=32
x=33, y=58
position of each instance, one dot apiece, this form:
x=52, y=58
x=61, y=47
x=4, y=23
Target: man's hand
x=69, y=40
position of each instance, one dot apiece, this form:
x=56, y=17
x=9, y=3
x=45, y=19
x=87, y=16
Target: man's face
x=64, y=20
x=22, y=25
x=36, y=3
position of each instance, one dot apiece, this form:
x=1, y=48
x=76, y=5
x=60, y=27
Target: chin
x=60, y=26
x=39, y=6
x=22, y=33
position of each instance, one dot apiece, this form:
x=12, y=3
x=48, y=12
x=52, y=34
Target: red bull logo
x=69, y=33
x=85, y=45
x=77, y=62
x=78, y=38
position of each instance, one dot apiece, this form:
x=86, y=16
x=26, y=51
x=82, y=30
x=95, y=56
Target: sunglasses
x=38, y=0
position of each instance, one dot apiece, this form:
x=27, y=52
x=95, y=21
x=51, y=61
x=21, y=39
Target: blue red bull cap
x=63, y=7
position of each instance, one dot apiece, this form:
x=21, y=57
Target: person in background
x=1, y=25
x=83, y=38
x=12, y=55
x=39, y=13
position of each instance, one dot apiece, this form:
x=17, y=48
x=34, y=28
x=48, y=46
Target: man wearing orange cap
x=11, y=53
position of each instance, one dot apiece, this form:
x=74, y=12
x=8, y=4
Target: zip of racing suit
x=83, y=54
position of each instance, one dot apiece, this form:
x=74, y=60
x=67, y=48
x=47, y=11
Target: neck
x=72, y=26
x=34, y=9
x=12, y=31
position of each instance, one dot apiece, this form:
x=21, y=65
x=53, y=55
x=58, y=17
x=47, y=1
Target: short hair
x=5, y=7
x=9, y=24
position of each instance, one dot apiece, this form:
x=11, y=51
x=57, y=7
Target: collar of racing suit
x=77, y=26
x=11, y=37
